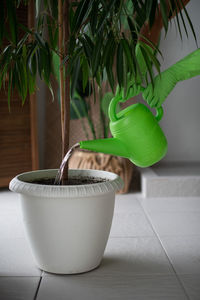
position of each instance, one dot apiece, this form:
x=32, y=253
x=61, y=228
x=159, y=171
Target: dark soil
x=71, y=181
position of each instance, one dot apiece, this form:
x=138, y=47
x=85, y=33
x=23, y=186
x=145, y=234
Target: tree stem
x=61, y=51
x=66, y=132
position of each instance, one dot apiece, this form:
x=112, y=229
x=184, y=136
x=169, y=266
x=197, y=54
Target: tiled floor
x=153, y=253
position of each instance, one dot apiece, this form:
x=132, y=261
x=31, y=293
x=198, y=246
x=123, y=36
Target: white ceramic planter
x=67, y=226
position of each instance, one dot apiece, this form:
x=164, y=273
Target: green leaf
x=81, y=14
x=172, y=6
x=31, y=82
x=96, y=55
x=151, y=56
x=89, y=42
x=25, y=28
x=87, y=48
x=6, y=55
x=21, y=43
x=12, y=20
x=132, y=29
x=50, y=26
x=72, y=60
x=178, y=23
x=127, y=6
x=183, y=21
x=128, y=54
x=55, y=38
x=3, y=74
x=30, y=57
x=125, y=73
x=105, y=14
x=110, y=76
x=39, y=62
x=148, y=65
x=109, y=59
x=119, y=65
x=93, y=18
x=190, y=22
x=40, y=40
x=72, y=44
x=148, y=6
x=105, y=102
x=139, y=13
x=163, y=8
x=85, y=72
x=153, y=46
x=76, y=110
x=56, y=65
x=21, y=80
x=108, y=49
x=37, y=7
x=74, y=77
x=151, y=11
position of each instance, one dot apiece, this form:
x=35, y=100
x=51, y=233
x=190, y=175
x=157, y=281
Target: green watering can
x=136, y=135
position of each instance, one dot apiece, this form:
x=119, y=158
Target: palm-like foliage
x=102, y=40
x=98, y=37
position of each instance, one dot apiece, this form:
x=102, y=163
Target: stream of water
x=63, y=163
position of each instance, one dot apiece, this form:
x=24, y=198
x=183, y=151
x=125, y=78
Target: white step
x=171, y=180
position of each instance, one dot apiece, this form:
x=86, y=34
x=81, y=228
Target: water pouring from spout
x=63, y=163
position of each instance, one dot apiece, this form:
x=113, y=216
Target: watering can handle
x=112, y=108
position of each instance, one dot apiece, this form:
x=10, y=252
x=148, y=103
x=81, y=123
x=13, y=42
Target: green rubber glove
x=164, y=83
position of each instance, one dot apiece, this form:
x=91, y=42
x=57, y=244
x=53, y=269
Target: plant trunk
x=61, y=53
x=65, y=145
x=63, y=9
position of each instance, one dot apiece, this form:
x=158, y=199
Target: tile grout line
x=168, y=258
x=37, y=290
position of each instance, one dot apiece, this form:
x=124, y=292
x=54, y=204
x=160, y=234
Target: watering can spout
x=109, y=146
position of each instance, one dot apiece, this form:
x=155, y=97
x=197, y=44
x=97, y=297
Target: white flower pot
x=67, y=226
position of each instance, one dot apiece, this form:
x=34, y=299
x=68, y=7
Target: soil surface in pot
x=70, y=181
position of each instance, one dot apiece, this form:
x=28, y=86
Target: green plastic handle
x=112, y=108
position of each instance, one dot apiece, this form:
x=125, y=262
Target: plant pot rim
x=20, y=185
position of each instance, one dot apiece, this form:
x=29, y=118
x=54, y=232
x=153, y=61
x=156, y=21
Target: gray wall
x=181, y=121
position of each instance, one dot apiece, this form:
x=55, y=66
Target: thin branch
x=66, y=133
x=61, y=50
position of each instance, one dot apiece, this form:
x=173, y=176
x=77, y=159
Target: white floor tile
x=192, y=286
x=123, y=287
x=135, y=265
x=129, y=218
x=11, y=226
x=18, y=288
x=184, y=253
x=16, y=258
x=128, y=203
x=171, y=204
x=175, y=223
x=135, y=256
x=9, y=202
x=128, y=224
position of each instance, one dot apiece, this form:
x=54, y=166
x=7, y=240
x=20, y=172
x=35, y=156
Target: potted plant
x=68, y=225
